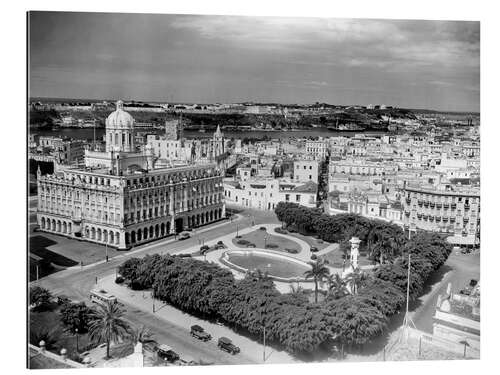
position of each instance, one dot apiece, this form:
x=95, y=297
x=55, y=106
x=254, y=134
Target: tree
x=318, y=272
x=354, y=320
x=40, y=297
x=76, y=316
x=383, y=295
x=107, y=325
x=38, y=334
x=337, y=286
x=142, y=334
x=129, y=268
x=355, y=279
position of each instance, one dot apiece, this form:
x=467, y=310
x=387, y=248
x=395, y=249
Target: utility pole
x=264, y=340
x=407, y=320
x=153, y=298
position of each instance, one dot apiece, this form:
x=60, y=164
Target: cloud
x=349, y=42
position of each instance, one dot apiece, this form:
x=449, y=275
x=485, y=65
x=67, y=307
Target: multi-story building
x=306, y=170
x=446, y=208
x=317, y=148
x=121, y=199
x=266, y=193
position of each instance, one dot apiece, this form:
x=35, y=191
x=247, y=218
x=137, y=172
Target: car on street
x=167, y=353
x=184, y=235
x=314, y=249
x=200, y=333
x=227, y=345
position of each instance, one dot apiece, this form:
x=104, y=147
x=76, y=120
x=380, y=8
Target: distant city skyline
x=208, y=59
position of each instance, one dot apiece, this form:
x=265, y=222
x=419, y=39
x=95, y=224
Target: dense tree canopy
x=352, y=315
x=76, y=316
x=40, y=297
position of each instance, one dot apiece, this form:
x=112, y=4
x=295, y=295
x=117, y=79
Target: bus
x=101, y=297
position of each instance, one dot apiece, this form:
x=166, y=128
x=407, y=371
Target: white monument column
x=355, y=241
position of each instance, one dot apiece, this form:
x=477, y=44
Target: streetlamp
x=76, y=332
x=265, y=242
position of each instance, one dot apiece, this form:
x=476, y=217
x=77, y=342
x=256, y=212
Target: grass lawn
x=311, y=241
x=67, y=252
x=257, y=237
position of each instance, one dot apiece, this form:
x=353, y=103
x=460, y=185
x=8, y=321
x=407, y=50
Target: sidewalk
x=143, y=301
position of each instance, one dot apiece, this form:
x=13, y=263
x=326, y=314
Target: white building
x=305, y=170
x=265, y=194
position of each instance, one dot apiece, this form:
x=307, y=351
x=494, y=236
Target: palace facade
x=119, y=198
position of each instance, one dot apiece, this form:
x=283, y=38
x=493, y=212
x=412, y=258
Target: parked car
x=314, y=249
x=227, y=345
x=184, y=235
x=200, y=333
x=167, y=353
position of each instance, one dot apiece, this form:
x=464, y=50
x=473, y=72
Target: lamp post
x=76, y=332
x=265, y=242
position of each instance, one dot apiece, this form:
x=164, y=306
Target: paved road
x=76, y=283
x=458, y=270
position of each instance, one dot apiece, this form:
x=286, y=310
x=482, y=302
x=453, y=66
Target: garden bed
x=276, y=243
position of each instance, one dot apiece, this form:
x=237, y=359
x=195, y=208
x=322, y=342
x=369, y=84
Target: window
x=297, y=198
x=287, y=197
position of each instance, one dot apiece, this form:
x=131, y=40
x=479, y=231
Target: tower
x=120, y=130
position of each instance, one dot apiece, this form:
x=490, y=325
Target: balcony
x=466, y=207
x=438, y=206
x=446, y=205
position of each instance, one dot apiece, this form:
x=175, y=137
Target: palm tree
x=107, y=325
x=337, y=286
x=355, y=279
x=318, y=273
x=142, y=334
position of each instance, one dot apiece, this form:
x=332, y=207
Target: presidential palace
x=124, y=196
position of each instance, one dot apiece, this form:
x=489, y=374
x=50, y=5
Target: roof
x=164, y=348
x=308, y=187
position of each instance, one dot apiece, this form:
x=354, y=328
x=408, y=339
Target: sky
x=208, y=59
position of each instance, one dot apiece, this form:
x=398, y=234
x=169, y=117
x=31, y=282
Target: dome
x=119, y=118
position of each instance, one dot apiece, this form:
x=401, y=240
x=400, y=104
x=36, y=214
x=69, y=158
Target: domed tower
x=120, y=130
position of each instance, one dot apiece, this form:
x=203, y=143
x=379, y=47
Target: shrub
x=280, y=230
x=220, y=243
x=76, y=316
x=291, y=250
x=271, y=246
x=314, y=257
x=119, y=280
x=314, y=249
x=238, y=236
x=40, y=297
x=319, y=240
x=243, y=242
x=262, y=228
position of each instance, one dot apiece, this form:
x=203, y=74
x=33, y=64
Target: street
x=76, y=283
